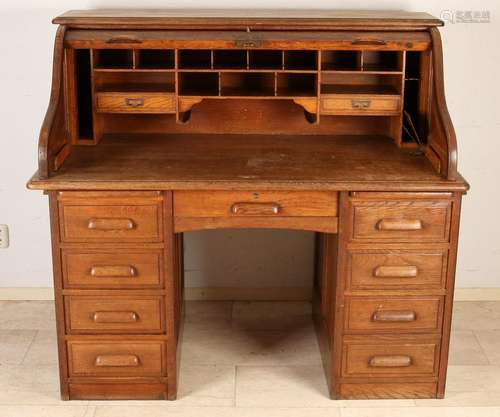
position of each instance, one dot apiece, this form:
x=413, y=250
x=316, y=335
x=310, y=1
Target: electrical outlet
x=4, y=236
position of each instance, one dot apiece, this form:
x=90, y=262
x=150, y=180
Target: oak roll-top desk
x=165, y=122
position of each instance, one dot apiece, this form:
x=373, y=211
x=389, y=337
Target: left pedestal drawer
x=125, y=358
x=115, y=314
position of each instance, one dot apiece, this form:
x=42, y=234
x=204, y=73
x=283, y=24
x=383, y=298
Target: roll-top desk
x=165, y=122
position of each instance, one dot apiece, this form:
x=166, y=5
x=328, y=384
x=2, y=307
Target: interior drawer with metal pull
x=393, y=314
x=135, y=102
x=371, y=356
x=126, y=358
x=255, y=203
x=112, y=268
x=401, y=221
x=110, y=217
x=390, y=269
x=114, y=314
x=360, y=104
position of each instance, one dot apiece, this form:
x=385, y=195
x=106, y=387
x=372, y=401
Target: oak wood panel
x=117, y=390
x=254, y=162
x=115, y=359
x=254, y=203
x=135, y=102
x=400, y=269
x=394, y=314
x=118, y=314
x=404, y=357
x=112, y=268
x=112, y=218
x=401, y=221
x=378, y=390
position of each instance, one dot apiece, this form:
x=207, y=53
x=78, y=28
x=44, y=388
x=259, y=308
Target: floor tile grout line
x=482, y=348
x=29, y=347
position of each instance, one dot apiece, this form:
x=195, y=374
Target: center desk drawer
x=393, y=314
x=114, y=314
x=248, y=203
x=128, y=358
x=110, y=217
x=360, y=104
x=111, y=268
x=135, y=102
x=401, y=221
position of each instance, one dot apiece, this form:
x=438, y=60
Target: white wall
x=228, y=258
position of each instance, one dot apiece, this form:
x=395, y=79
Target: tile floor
x=246, y=359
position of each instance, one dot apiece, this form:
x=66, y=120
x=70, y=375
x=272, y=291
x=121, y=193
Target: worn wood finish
x=165, y=122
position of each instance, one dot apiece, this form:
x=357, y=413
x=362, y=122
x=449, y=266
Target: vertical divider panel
x=397, y=121
x=176, y=83
x=318, y=85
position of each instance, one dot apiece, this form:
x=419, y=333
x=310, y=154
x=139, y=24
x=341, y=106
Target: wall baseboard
x=243, y=294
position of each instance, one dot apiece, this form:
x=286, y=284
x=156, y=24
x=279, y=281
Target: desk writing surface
x=259, y=161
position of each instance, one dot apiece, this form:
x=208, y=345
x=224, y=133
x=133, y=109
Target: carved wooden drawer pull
x=255, y=209
x=410, y=271
x=111, y=224
x=390, y=361
x=115, y=317
x=399, y=224
x=394, y=316
x=113, y=271
x=368, y=42
x=248, y=43
x=123, y=39
x=117, y=361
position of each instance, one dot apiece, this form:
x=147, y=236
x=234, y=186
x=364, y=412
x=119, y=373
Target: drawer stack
x=392, y=300
x=114, y=265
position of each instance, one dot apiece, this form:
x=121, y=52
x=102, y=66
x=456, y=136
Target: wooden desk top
x=225, y=18
x=246, y=162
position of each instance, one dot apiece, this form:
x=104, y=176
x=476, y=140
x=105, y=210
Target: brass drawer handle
x=399, y=224
x=394, y=316
x=255, y=209
x=134, y=102
x=361, y=104
x=123, y=39
x=248, y=44
x=110, y=317
x=110, y=224
x=119, y=271
x=368, y=42
x=410, y=271
x=117, y=361
x=390, y=361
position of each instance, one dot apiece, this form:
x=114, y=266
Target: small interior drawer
x=393, y=314
x=112, y=268
x=114, y=314
x=99, y=217
x=249, y=203
x=126, y=358
x=135, y=102
x=369, y=356
x=358, y=104
x=379, y=269
x=401, y=221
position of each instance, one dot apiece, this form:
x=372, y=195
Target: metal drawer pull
x=134, y=102
x=248, y=44
x=394, y=316
x=110, y=317
x=110, y=224
x=386, y=271
x=361, y=104
x=118, y=271
x=399, y=224
x=117, y=361
x=391, y=361
x=255, y=209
